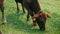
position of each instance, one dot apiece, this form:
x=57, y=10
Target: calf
x=41, y=19
x=19, y=1
x=33, y=8
x=2, y=10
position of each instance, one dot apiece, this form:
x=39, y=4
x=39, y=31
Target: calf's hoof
x=4, y=21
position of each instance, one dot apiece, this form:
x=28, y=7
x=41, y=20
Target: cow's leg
x=34, y=21
x=29, y=13
x=17, y=7
x=23, y=8
x=3, y=16
x=28, y=16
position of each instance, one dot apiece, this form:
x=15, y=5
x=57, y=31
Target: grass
x=17, y=24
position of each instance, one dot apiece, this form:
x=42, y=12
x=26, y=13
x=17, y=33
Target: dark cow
x=19, y=1
x=2, y=10
x=41, y=19
x=33, y=8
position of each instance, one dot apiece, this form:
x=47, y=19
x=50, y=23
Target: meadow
x=17, y=24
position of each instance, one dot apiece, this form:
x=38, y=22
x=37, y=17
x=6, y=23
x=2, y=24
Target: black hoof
x=3, y=23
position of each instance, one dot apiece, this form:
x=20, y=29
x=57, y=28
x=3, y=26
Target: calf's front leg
x=3, y=16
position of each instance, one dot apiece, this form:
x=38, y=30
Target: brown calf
x=33, y=8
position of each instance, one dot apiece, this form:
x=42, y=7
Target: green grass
x=17, y=24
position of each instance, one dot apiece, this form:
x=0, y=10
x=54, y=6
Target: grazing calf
x=2, y=10
x=33, y=8
x=19, y=1
x=41, y=19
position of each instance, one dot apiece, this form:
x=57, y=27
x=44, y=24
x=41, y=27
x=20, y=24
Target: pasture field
x=17, y=24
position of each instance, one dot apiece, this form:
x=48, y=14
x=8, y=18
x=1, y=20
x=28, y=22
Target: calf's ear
x=48, y=15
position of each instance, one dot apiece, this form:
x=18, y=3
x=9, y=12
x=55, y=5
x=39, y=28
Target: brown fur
x=32, y=6
x=42, y=14
x=41, y=19
x=2, y=1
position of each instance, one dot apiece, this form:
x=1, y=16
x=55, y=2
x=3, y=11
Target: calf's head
x=41, y=19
